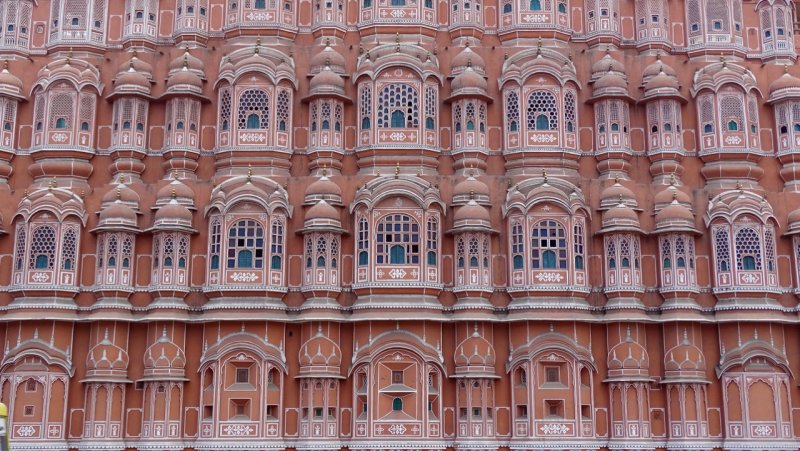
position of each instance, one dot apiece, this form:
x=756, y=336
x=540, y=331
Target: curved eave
x=163, y=379
x=477, y=375
x=117, y=94
x=621, y=228
x=472, y=94
x=684, y=380
x=171, y=94
x=791, y=232
x=472, y=228
x=783, y=95
x=678, y=229
x=17, y=97
x=322, y=228
x=629, y=379
x=319, y=375
x=116, y=228
x=172, y=228
x=104, y=380
x=611, y=95
x=663, y=95
x=327, y=95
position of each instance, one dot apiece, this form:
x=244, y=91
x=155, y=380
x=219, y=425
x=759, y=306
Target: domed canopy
x=322, y=217
x=10, y=85
x=621, y=218
x=173, y=216
x=617, y=193
x=106, y=362
x=164, y=360
x=656, y=68
x=471, y=188
x=117, y=217
x=607, y=64
x=467, y=58
x=320, y=357
x=323, y=189
x=794, y=222
x=662, y=85
x=675, y=217
x=327, y=83
x=628, y=361
x=472, y=217
x=176, y=190
x=785, y=87
x=475, y=357
x=133, y=78
x=611, y=85
x=188, y=61
x=328, y=57
x=684, y=363
x=469, y=83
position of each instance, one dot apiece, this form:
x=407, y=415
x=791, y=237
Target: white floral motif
x=554, y=429
x=397, y=429
x=252, y=137
x=244, y=277
x=549, y=277
x=733, y=140
x=60, y=137
x=763, y=430
x=26, y=431
x=397, y=273
x=238, y=429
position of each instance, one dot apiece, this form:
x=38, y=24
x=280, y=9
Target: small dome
x=122, y=193
x=320, y=351
x=621, y=213
x=685, y=358
x=323, y=187
x=472, y=212
x=9, y=83
x=470, y=187
x=628, y=359
x=793, y=221
x=131, y=79
x=175, y=190
x=184, y=78
x=469, y=79
x=173, y=212
x=662, y=81
x=467, y=58
x=164, y=358
x=656, y=68
x=785, y=81
x=615, y=194
x=475, y=354
x=108, y=358
x=607, y=64
x=611, y=80
x=327, y=79
x=322, y=210
x=118, y=213
x=328, y=57
x=666, y=196
x=674, y=211
x=187, y=60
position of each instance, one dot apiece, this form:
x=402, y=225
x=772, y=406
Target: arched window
x=398, y=107
x=748, y=249
x=397, y=240
x=246, y=245
x=517, y=241
x=253, y=110
x=276, y=245
x=512, y=111
x=214, y=243
x=432, y=240
x=536, y=5
x=542, y=111
x=363, y=242
x=397, y=403
x=548, y=246
x=43, y=248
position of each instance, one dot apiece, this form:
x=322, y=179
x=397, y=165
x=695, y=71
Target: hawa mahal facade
x=457, y=225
